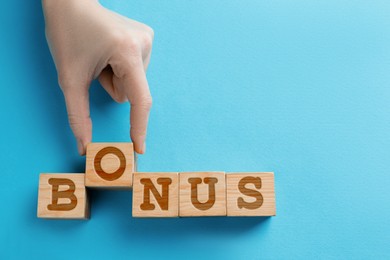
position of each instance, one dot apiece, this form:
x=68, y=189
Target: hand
x=88, y=41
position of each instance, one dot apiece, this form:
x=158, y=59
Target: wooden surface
x=156, y=194
x=62, y=196
x=110, y=165
x=198, y=198
x=250, y=194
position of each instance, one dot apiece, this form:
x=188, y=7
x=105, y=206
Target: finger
x=147, y=61
x=106, y=79
x=136, y=87
x=77, y=105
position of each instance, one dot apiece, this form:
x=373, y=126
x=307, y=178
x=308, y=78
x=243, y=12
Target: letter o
x=98, y=160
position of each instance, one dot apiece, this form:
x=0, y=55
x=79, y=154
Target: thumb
x=77, y=106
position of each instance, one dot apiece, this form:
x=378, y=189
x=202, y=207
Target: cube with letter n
x=155, y=194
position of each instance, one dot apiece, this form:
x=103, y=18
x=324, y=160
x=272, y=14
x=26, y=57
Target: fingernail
x=143, y=150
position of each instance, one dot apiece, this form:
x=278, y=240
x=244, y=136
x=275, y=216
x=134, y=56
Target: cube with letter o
x=110, y=165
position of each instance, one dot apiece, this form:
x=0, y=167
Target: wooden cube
x=202, y=194
x=250, y=194
x=156, y=194
x=62, y=196
x=110, y=165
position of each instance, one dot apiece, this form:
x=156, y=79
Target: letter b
x=66, y=194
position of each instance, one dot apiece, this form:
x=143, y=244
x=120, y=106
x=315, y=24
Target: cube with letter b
x=62, y=196
x=110, y=165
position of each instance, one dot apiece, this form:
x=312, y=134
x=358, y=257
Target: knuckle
x=145, y=102
x=70, y=78
x=136, y=132
x=125, y=41
x=64, y=80
x=130, y=44
x=128, y=41
x=116, y=36
x=149, y=30
x=80, y=125
x=147, y=41
x=147, y=37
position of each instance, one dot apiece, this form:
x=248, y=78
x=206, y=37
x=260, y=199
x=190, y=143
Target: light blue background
x=300, y=88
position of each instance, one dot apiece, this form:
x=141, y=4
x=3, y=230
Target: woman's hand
x=88, y=41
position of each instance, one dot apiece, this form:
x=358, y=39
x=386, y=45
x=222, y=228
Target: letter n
x=162, y=199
